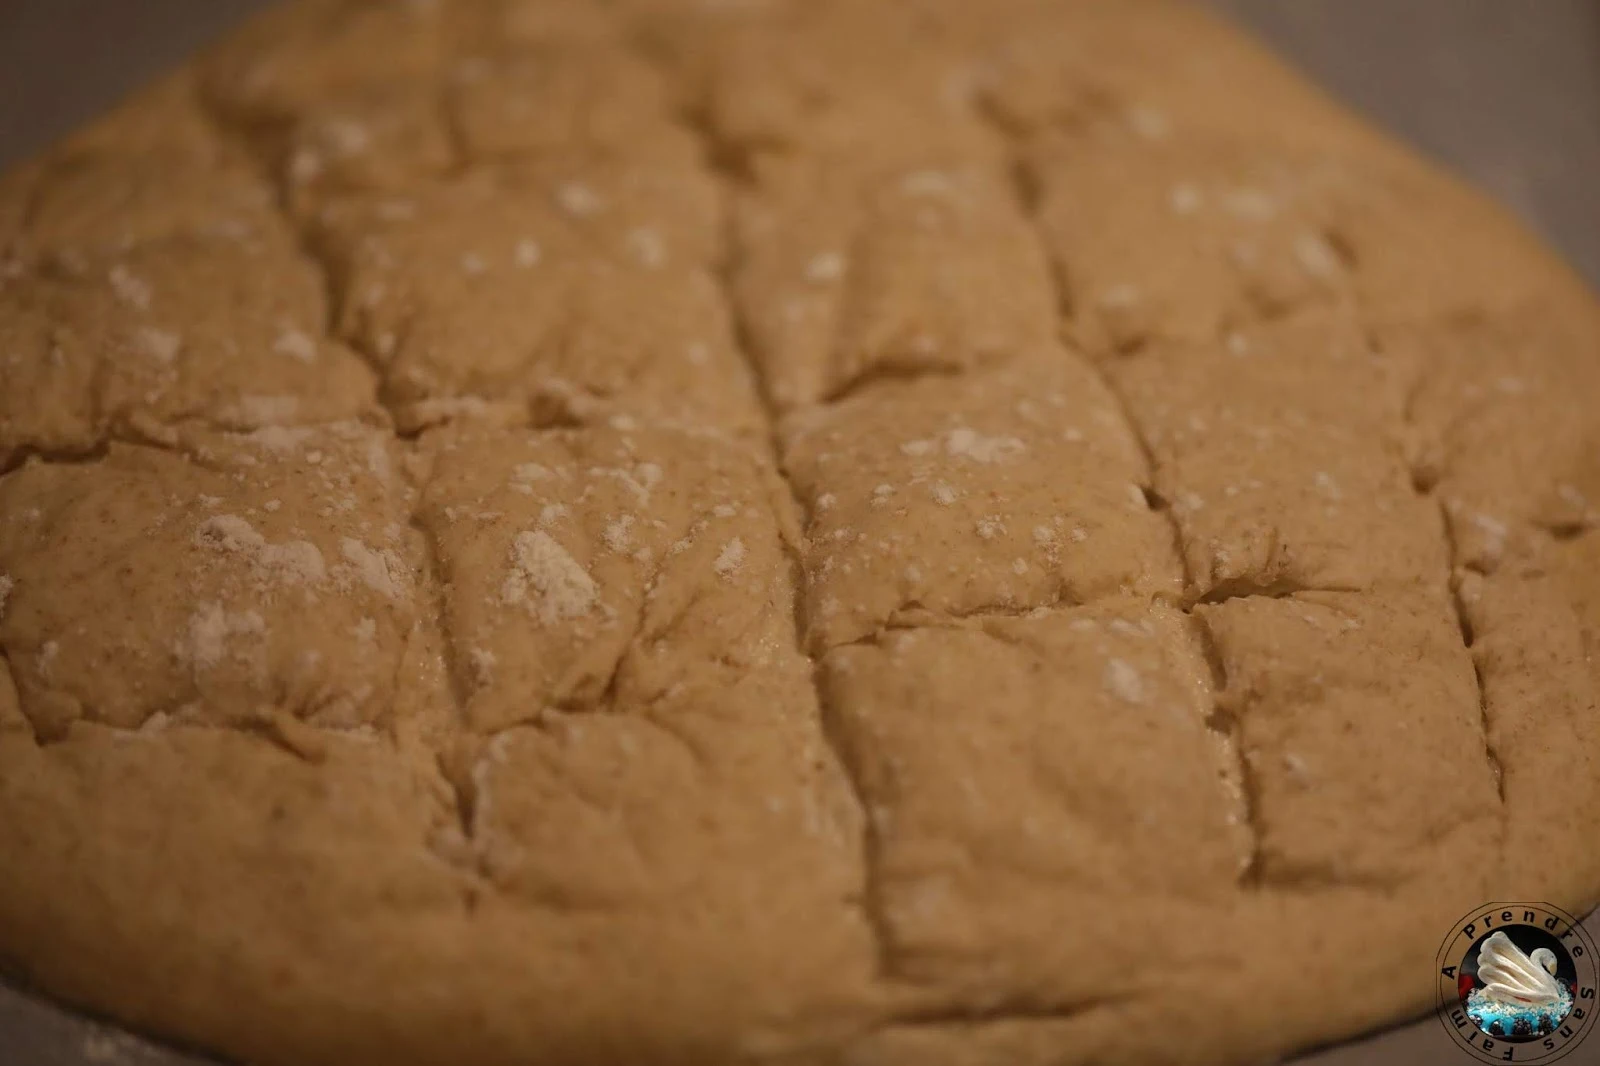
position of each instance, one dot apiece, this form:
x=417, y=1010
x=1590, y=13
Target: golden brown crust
x=671, y=532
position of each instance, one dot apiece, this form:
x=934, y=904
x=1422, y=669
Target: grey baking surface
x=1506, y=91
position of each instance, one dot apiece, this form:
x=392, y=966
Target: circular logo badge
x=1518, y=983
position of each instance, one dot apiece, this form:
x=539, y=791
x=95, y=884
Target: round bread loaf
x=794, y=532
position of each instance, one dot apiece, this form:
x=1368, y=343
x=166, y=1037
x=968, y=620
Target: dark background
x=1506, y=91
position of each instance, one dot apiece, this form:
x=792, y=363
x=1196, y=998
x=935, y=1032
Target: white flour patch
x=548, y=580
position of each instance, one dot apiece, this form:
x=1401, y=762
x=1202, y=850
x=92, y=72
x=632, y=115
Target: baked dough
x=777, y=532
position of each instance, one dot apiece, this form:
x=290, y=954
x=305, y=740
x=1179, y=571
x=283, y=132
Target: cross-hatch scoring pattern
x=1111, y=586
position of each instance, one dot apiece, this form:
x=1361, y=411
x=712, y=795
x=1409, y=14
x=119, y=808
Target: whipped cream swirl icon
x=1516, y=980
x=1514, y=990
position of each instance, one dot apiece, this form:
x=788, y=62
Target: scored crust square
x=1277, y=476
x=605, y=568
x=218, y=331
x=844, y=278
x=550, y=293
x=1343, y=795
x=247, y=580
x=1015, y=768
x=1004, y=491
